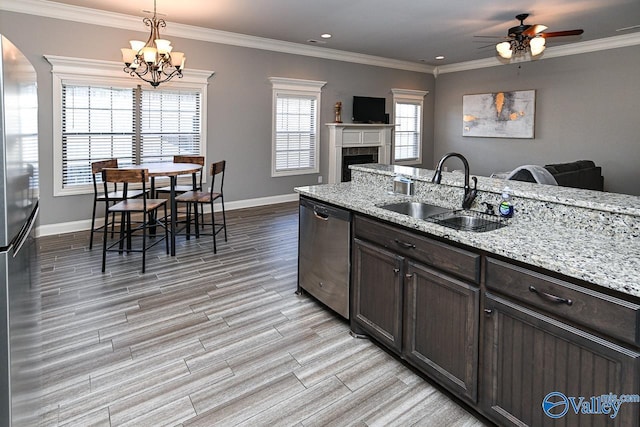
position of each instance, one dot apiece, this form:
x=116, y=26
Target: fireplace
x=357, y=156
x=360, y=143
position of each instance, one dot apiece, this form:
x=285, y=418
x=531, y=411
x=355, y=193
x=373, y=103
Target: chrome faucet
x=469, y=194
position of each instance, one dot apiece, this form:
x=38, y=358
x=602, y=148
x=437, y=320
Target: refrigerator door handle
x=22, y=237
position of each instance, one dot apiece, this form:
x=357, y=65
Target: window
x=97, y=118
x=407, y=112
x=296, y=133
x=133, y=125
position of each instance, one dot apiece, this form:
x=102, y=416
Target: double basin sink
x=464, y=220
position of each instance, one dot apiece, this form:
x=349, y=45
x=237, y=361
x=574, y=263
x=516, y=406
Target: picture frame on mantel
x=499, y=114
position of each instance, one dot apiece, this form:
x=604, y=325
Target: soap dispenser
x=506, y=206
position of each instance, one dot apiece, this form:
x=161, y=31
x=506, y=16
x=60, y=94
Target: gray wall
x=587, y=107
x=239, y=104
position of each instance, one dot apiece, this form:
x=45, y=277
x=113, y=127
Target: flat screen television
x=368, y=110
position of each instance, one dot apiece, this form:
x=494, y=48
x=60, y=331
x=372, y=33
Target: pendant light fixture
x=153, y=61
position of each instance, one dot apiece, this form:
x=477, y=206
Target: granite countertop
x=611, y=261
x=597, y=200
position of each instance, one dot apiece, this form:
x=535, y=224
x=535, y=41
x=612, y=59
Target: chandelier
x=521, y=45
x=153, y=61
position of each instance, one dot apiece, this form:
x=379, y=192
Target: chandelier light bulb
x=149, y=54
x=176, y=59
x=163, y=46
x=136, y=45
x=128, y=55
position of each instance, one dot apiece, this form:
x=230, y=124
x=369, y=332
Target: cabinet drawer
x=456, y=261
x=609, y=315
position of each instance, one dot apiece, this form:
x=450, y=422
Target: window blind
x=170, y=124
x=134, y=125
x=296, y=133
x=96, y=124
x=407, y=134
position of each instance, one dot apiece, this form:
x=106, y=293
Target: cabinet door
x=441, y=328
x=528, y=355
x=377, y=293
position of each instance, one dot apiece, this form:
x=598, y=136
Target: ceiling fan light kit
x=528, y=38
x=153, y=61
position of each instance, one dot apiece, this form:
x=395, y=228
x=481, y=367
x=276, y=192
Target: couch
x=578, y=174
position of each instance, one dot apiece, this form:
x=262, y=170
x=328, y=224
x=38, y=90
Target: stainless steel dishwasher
x=323, y=254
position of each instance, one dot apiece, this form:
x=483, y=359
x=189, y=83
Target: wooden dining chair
x=196, y=177
x=112, y=193
x=144, y=206
x=193, y=199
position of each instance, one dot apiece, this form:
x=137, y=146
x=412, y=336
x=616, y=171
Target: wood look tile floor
x=206, y=340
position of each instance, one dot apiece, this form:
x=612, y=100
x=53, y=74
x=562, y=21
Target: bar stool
x=101, y=197
x=146, y=207
x=196, y=183
x=196, y=198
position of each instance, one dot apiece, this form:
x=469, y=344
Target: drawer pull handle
x=405, y=244
x=409, y=276
x=321, y=216
x=488, y=312
x=550, y=297
x=396, y=270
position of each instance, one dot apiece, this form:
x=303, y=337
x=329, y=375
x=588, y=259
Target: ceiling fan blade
x=534, y=29
x=563, y=33
x=491, y=37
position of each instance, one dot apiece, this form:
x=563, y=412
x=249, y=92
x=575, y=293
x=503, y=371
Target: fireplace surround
x=344, y=137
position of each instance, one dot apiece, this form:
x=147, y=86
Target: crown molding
x=551, y=52
x=127, y=22
x=85, y=15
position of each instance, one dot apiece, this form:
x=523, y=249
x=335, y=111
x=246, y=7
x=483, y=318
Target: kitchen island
x=549, y=303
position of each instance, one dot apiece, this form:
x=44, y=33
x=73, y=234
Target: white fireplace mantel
x=344, y=135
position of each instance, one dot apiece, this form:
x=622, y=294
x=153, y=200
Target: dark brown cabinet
x=528, y=355
x=404, y=296
x=377, y=293
x=501, y=340
x=441, y=328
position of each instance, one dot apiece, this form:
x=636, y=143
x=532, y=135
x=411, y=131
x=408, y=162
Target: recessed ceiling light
x=440, y=57
x=326, y=36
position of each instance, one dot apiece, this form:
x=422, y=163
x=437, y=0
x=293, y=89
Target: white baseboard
x=85, y=224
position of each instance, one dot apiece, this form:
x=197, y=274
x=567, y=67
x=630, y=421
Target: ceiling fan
x=525, y=37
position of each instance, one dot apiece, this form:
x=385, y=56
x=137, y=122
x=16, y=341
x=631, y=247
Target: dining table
x=172, y=171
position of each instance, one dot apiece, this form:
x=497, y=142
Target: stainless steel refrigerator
x=19, y=197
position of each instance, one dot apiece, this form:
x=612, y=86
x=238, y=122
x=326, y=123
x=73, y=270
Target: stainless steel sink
x=464, y=220
x=469, y=221
x=416, y=209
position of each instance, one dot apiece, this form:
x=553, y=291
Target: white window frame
x=303, y=88
x=66, y=70
x=414, y=97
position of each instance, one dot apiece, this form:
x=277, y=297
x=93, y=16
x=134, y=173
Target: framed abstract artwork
x=499, y=115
